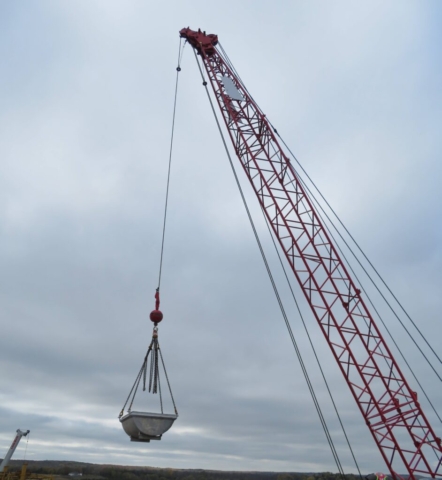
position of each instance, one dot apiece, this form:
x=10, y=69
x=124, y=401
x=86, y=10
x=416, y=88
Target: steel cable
x=315, y=201
x=26, y=447
x=349, y=234
x=143, y=371
x=275, y=289
x=311, y=343
x=167, y=379
x=178, y=70
x=371, y=265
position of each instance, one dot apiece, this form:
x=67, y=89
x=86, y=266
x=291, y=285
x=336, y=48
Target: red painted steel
x=156, y=315
x=389, y=406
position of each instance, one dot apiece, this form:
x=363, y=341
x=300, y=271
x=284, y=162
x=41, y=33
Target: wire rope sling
x=146, y=426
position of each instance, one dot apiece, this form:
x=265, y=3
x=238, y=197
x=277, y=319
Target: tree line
x=114, y=472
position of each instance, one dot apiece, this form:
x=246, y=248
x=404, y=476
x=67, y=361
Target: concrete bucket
x=145, y=426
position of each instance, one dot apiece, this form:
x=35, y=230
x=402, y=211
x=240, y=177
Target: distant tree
x=284, y=476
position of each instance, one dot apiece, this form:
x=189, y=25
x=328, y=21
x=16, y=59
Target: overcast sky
x=86, y=96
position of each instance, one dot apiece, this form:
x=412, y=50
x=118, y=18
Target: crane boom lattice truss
x=389, y=406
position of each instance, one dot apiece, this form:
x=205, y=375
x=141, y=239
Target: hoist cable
x=178, y=70
x=425, y=394
x=318, y=204
x=154, y=377
x=278, y=298
x=294, y=297
x=393, y=375
x=370, y=263
x=380, y=318
x=315, y=200
x=361, y=313
x=326, y=226
x=311, y=341
x=236, y=73
x=349, y=234
x=26, y=446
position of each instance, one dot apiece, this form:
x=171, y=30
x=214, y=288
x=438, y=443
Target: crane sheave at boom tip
x=200, y=40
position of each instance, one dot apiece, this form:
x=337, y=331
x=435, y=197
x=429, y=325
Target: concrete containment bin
x=145, y=426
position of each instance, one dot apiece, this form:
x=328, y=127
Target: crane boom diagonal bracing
x=389, y=406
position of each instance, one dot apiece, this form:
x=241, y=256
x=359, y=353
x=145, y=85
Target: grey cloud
x=86, y=111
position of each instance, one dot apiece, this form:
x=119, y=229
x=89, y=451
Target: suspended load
x=142, y=426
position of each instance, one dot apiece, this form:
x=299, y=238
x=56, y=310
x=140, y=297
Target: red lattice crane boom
x=389, y=406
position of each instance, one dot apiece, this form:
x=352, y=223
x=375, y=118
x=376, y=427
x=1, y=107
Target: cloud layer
x=86, y=90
